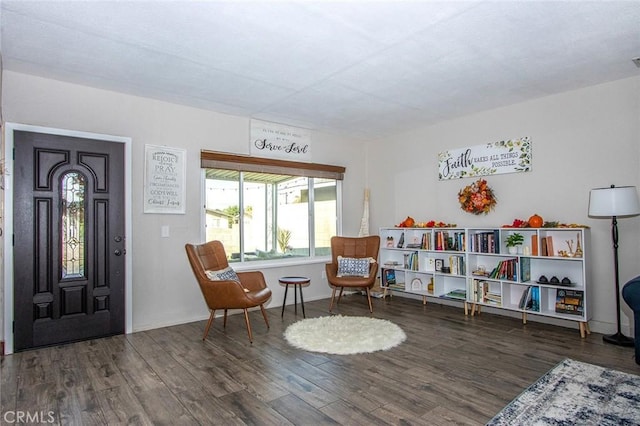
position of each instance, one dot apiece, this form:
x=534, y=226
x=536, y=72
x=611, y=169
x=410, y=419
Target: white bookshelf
x=474, y=266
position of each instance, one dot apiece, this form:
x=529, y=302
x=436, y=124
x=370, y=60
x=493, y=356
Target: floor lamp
x=613, y=202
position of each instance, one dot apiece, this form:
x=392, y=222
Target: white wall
x=164, y=289
x=582, y=139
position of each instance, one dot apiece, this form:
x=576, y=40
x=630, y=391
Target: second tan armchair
x=346, y=249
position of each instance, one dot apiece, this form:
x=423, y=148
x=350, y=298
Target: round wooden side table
x=297, y=282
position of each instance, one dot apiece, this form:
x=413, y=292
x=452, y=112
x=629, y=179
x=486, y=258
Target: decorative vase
x=513, y=250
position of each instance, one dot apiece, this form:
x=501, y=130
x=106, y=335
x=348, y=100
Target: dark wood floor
x=452, y=369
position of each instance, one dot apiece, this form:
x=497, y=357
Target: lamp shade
x=614, y=201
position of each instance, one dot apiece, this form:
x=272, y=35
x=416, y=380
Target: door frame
x=7, y=235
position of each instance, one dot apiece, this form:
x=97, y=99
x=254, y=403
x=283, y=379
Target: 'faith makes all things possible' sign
x=494, y=158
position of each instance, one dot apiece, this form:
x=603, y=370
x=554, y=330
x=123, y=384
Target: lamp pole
x=618, y=338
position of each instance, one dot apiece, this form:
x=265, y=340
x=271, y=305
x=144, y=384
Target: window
x=270, y=209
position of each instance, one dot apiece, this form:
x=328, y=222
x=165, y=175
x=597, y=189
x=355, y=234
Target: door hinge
x=13, y=327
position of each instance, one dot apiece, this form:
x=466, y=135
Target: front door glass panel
x=73, y=225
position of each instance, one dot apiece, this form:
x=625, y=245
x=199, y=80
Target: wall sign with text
x=164, y=178
x=494, y=158
x=272, y=140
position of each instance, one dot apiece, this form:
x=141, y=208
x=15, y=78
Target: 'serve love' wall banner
x=494, y=158
x=272, y=140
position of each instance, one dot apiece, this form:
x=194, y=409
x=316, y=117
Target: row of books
x=411, y=261
x=442, y=241
x=530, y=299
x=486, y=292
x=485, y=242
x=457, y=265
x=455, y=241
x=506, y=269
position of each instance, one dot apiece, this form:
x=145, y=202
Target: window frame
x=243, y=163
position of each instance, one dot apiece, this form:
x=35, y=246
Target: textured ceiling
x=362, y=69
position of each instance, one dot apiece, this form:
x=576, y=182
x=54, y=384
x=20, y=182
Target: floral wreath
x=477, y=198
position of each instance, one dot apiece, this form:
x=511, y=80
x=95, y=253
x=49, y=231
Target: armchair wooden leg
x=246, y=320
x=369, y=298
x=333, y=295
x=206, y=329
x=224, y=323
x=264, y=314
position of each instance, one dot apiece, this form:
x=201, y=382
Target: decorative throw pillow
x=354, y=267
x=225, y=274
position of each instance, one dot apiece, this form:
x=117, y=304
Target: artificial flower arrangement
x=409, y=222
x=536, y=221
x=477, y=198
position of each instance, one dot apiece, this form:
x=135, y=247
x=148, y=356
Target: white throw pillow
x=354, y=267
x=226, y=274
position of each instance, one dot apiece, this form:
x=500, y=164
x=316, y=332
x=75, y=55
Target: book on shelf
x=550, y=251
x=525, y=269
x=534, y=245
x=459, y=293
x=535, y=299
x=389, y=277
x=482, y=293
x=524, y=299
x=456, y=264
x=530, y=299
x=492, y=299
x=440, y=237
x=412, y=261
x=426, y=242
x=570, y=302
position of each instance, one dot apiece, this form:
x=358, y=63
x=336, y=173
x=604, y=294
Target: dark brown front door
x=69, y=268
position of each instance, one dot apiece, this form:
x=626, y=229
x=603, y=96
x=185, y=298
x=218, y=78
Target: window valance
x=245, y=163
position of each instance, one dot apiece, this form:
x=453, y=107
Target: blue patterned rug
x=576, y=393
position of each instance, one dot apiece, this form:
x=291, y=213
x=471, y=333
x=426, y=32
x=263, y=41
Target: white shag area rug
x=342, y=335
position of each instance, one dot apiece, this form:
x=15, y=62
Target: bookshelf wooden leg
x=584, y=329
x=466, y=309
x=424, y=300
x=477, y=309
x=524, y=317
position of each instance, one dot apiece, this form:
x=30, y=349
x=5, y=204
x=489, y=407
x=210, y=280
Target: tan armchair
x=353, y=247
x=249, y=291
